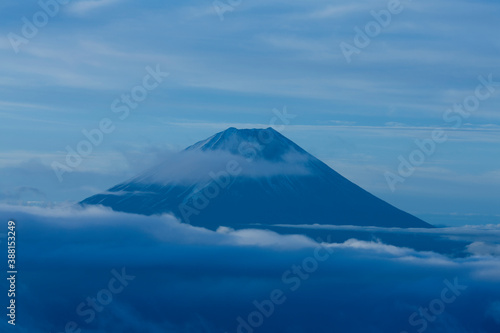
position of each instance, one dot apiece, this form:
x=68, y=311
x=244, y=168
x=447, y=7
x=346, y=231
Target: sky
x=356, y=100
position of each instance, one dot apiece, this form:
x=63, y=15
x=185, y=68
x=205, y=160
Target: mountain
x=251, y=176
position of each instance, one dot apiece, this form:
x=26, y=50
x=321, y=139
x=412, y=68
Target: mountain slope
x=241, y=177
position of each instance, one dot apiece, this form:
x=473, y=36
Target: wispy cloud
x=83, y=7
x=332, y=12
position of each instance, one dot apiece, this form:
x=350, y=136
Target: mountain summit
x=251, y=176
x=267, y=143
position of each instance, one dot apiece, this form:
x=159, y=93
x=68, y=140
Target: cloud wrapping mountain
x=244, y=176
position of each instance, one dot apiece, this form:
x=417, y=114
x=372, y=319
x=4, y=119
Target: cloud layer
x=179, y=278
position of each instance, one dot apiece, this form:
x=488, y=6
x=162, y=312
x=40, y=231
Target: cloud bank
x=95, y=270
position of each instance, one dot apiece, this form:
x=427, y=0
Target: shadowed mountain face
x=251, y=176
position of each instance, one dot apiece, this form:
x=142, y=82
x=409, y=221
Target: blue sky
x=357, y=116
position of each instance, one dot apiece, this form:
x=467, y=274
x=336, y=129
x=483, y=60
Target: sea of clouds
x=95, y=270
